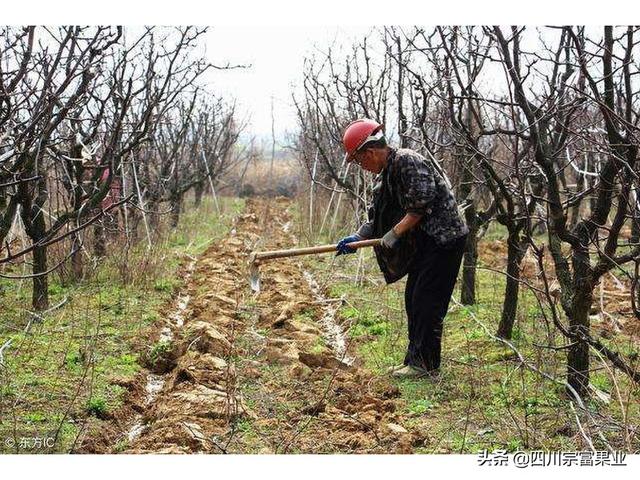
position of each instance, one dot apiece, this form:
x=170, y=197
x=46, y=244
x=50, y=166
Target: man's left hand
x=390, y=239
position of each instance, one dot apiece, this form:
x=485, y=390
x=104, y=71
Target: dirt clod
x=207, y=339
x=397, y=429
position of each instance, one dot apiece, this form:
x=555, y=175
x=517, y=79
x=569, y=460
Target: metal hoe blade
x=254, y=273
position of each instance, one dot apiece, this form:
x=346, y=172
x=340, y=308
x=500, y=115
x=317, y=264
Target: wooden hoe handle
x=294, y=252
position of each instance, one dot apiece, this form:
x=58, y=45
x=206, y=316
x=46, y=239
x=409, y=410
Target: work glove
x=389, y=240
x=342, y=246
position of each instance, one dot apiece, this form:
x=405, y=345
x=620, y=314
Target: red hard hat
x=358, y=133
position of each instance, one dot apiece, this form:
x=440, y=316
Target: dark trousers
x=428, y=291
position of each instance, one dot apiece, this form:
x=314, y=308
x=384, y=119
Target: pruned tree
x=337, y=90
x=75, y=106
x=549, y=116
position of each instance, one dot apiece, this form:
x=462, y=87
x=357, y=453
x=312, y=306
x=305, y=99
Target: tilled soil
x=249, y=373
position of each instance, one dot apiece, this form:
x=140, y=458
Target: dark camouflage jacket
x=410, y=184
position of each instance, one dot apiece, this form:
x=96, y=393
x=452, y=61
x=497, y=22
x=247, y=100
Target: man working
x=416, y=215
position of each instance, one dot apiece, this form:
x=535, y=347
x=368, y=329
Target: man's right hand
x=342, y=246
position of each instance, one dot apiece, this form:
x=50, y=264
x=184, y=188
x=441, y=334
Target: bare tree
x=549, y=116
x=80, y=103
x=337, y=91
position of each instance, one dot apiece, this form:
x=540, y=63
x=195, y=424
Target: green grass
x=165, y=285
x=65, y=369
x=158, y=352
x=97, y=407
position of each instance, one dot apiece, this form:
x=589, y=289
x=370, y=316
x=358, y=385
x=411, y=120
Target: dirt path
x=258, y=374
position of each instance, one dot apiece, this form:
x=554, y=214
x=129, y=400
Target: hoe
x=256, y=257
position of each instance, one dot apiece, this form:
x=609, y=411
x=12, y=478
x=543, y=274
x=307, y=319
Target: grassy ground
x=69, y=364
x=486, y=398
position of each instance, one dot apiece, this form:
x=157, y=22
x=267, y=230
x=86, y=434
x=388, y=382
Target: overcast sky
x=276, y=56
x=250, y=31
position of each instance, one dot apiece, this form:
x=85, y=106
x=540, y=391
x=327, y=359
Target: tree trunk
x=466, y=158
x=176, y=209
x=470, y=260
x=40, y=297
x=402, y=119
x=635, y=232
x=152, y=206
x=635, y=229
x=580, y=187
x=578, y=355
x=99, y=239
x=76, y=259
x=635, y=217
x=593, y=166
x=199, y=191
x=135, y=219
x=510, y=304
